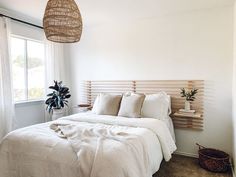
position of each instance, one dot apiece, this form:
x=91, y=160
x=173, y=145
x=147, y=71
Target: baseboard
x=186, y=154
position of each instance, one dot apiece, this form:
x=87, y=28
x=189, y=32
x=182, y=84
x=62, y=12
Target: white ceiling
x=97, y=11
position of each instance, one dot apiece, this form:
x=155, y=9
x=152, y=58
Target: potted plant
x=189, y=96
x=57, y=100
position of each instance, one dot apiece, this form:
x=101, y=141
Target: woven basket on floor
x=213, y=160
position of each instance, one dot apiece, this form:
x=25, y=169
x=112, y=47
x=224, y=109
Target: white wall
x=189, y=45
x=27, y=31
x=29, y=113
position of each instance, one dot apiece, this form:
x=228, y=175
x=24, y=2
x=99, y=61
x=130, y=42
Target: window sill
x=28, y=103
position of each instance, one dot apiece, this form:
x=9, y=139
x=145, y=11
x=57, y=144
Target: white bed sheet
x=37, y=151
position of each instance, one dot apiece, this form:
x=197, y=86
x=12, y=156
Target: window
x=28, y=69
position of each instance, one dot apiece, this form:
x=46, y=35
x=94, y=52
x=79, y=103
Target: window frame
x=26, y=101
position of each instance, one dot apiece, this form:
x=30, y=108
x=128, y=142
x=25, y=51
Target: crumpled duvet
x=104, y=150
x=88, y=145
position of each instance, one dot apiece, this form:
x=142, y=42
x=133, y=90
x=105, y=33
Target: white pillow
x=95, y=105
x=156, y=106
x=131, y=105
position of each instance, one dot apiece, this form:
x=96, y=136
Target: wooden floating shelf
x=197, y=115
x=171, y=87
x=188, y=120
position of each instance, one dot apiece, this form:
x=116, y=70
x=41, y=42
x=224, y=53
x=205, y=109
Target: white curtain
x=55, y=66
x=7, y=112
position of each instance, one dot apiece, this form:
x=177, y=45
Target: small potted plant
x=57, y=100
x=189, y=96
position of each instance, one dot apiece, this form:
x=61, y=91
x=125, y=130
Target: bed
x=105, y=146
x=124, y=135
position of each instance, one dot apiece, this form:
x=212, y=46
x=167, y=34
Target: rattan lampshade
x=62, y=21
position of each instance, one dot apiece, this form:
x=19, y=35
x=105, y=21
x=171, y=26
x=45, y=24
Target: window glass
x=36, y=69
x=18, y=68
x=28, y=69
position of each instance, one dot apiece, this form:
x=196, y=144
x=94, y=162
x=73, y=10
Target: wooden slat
x=188, y=125
x=187, y=128
x=193, y=121
x=187, y=118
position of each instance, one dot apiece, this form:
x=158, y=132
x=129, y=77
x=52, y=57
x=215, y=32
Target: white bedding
x=37, y=151
x=167, y=120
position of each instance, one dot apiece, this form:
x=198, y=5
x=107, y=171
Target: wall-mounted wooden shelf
x=192, y=121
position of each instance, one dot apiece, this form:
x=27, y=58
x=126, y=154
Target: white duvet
x=85, y=145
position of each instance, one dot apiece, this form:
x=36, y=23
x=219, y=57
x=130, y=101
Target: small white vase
x=187, y=105
x=58, y=113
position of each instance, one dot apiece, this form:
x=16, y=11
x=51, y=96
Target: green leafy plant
x=58, y=98
x=189, y=95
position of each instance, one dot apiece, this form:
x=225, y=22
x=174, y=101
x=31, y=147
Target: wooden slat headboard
x=171, y=87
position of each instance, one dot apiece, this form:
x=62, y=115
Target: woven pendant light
x=62, y=21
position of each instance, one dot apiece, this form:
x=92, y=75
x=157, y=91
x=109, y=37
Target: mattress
x=39, y=150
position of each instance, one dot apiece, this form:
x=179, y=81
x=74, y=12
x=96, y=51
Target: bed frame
x=172, y=87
